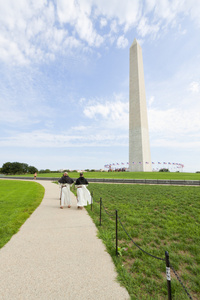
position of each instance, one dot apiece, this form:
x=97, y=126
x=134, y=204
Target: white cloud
x=40, y=139
x=126, y=13
x=67, y=11
x=77, y=14
x=144, y=28
x=31, y=31
x=174, y=122
x=10, y=51
x=173, y=143
x=122, y=42
x=191, y=8
x=167, y=10
x=103, y=22
x=28, y=31
x=194, y=87
x=167, y=14
x=181, y=123
x=79, y=128
x=72, y=43
x=93, y=110
x=114, y=111
x=151, y=100
x=35, y=31
x=86, y=31
x=181, y=31
x=113, y=26
x=82, y=100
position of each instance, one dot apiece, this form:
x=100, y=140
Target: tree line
x=12, y=168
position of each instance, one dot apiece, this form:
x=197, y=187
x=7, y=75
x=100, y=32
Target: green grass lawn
x=18, y=199
x=158, y=219
x=126, y=175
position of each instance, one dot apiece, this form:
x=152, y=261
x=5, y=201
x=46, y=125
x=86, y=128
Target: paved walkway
x=57, y=255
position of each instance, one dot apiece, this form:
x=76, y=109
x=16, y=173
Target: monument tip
x=135, y=42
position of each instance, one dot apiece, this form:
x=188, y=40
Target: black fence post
x=91, y=200
x=168, y=275
x=100, y=209
x=116, y=234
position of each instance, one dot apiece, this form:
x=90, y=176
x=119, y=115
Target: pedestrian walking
x=65, y=184
x=83, y=194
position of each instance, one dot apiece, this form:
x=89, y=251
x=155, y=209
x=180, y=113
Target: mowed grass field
x=158, y=219
x=18, y=200
x=125, y=175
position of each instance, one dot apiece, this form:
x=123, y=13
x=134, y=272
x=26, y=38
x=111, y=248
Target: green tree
x=19, y=168
x=45, y=171
x=6, y=168
x=32, y=169
x=16, y=167
x=24, y=168
x=13, y=168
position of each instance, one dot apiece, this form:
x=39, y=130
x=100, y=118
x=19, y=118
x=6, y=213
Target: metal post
x=168, y=275
x=100, y=209
x=116, y=234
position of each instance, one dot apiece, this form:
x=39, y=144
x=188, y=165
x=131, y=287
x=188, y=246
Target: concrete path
x=57, y=255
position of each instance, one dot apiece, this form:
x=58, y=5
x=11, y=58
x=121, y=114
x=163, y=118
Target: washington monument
x=139, y=147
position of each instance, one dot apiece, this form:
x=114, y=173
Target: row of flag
x=159, y=163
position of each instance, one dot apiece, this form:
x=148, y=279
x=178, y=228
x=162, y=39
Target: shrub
x=164, y=170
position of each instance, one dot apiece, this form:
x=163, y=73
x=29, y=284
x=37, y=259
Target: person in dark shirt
x=81, y=180
x=83, y=195
x=65, y=197
x=65, y=179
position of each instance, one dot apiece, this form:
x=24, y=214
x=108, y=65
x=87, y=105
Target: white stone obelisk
x=139, y=146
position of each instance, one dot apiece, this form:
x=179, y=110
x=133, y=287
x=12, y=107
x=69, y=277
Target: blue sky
x=64, y=81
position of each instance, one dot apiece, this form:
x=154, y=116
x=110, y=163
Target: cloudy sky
x=64, y=80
